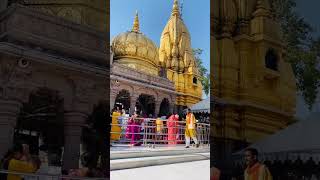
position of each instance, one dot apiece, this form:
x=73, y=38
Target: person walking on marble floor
x=190, y=131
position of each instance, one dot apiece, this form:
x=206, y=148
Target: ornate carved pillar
x=133, y=101
x=243, y=64
x=9, y=111
x=75, y=116
x=114, y=90
x=13, y=91
x=73, y=122
x=244, y=16
x=113, y=96
x=170, y=107
x=157, y=107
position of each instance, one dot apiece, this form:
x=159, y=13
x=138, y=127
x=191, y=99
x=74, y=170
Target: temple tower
x=255, y=85
x=176, y=56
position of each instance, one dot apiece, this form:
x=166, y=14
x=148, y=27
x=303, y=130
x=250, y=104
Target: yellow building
x=176, y=56
x=255, y=85
x=173, y=61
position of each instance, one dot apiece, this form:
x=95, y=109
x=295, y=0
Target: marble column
x=73, y=122
x=9, y=111
x=133, y=101
x=157, y=108
x=170, y=108
x=113, y=96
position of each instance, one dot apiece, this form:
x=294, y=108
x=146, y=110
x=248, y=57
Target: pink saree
x=172, y=130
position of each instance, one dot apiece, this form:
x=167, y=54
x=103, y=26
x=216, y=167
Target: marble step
x=154, y=152
x=139, y=162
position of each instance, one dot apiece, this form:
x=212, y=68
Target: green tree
x=302, y=48
x=197, y=53
x=203, y=72
x=206, y=84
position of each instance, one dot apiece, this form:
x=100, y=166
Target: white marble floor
x=199, y=170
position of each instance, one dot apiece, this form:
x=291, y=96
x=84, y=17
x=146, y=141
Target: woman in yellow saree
x=115, y=126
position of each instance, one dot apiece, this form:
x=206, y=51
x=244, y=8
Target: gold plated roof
x=137, y=47
x=175, y=50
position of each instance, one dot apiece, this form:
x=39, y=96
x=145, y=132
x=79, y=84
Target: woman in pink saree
x=133, y=130
x=172, y=129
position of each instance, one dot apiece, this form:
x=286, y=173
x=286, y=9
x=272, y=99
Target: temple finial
x=175, y=10
x=136, y=26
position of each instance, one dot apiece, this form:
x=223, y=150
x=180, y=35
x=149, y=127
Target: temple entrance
x=123, y=100
x=164, y=108
x=38, y=123
x=146, y=105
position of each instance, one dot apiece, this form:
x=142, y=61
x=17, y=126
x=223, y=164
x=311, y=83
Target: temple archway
x=123, y=100
x=38, y=123
x=146, y=104
x=164, y=108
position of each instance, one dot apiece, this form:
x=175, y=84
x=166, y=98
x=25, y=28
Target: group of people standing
x=19, y=160
x=133, y=127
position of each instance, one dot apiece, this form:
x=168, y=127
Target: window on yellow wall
x=271, y=60
x=195, y=80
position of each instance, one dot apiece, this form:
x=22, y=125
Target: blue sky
x=153, y=16
x=310, y=11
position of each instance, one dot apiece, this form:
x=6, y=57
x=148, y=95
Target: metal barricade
x=147, y=132
x=39, y=176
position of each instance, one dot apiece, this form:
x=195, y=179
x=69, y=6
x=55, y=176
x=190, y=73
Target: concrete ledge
x=157, y=162
x=127, y=155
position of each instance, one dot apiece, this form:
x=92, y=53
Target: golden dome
x=135, y=50
x=175, y=50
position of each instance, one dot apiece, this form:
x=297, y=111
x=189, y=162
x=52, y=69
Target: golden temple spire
x=175, y=9
x=136, y=26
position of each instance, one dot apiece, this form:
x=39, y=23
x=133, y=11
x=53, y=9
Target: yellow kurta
x=190, y=125
x=257, y=172
x=115, y=128
x=20, y=167
x=159, y=124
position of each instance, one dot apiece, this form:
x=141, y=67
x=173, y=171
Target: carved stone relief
x=71, y=14
x=14, y=73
